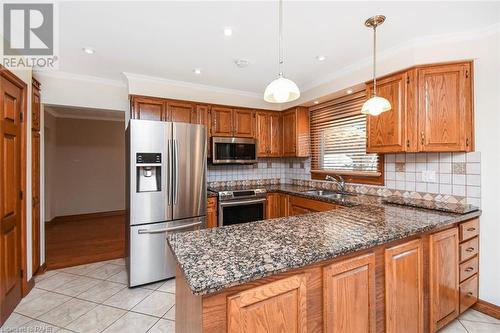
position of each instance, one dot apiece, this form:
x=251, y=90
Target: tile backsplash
x=452, y=177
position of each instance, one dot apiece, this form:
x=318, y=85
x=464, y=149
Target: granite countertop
x=219, y=258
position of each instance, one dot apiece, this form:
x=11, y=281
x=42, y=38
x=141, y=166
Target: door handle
x=169, y=172
x=176, y=170
x=160, y=231
x=469, y=249
x=469, y=269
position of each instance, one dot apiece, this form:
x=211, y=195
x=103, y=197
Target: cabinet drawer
x=469, y=229
x=469, y=249
x=468, y=293
x=469, y=268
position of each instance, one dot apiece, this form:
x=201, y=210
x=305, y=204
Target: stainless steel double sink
x=328, y=194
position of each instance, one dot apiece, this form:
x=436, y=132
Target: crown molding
x=80, y=77
x=58, y=114
x=184, y=84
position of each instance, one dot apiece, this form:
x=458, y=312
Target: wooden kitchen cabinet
x=212, y=212
x=273, y=205
x=404, y=288
x=268, y=134
x=295, y=124
x=444, y=278
x=244, y=123
x=279, y=306
x=222, y=121
x=349, y=295
x=431, y=110
x=299, y=206
x=180, y=112
x=148, y=108
x=201, y=115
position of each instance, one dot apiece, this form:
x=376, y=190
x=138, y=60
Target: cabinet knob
x=469, y=294
x=422, y=137
x=469, y=249
x=467, y=142
x=408, y=143
x=469, y=269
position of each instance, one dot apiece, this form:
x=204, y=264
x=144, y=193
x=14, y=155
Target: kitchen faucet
x=337, y=179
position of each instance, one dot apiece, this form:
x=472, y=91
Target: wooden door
x=444, y=278
x=275, y=135
x=222, y=121
x=279, y=306
x=35, y=106
x=262, y=134
x=273, y=206
x=283, y=204
x=349, y=296
x=386, y=133
x=148, y=108
x=11, y=105
x=289, y=133
x=244, y=123
x=35, y=200
x=212, y=212
x=179, y=111
x=445, y=111
x=201, y=115
x=404, y=288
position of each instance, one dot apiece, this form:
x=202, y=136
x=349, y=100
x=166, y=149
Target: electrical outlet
x=429, y=176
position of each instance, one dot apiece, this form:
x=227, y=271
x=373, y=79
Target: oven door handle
x=240, y=203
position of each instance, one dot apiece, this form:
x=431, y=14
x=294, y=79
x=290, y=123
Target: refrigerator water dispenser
x=148, y=166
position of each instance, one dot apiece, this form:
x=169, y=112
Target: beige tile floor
x=94, y=298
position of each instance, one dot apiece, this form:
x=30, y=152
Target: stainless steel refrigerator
x=166, y=193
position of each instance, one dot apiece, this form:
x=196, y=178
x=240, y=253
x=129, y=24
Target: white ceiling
x=169, y=39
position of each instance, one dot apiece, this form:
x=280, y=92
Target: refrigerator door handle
x=169, y=172
x=160, y=231
x=176, y=171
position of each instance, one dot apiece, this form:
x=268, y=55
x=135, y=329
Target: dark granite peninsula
x=364, y=267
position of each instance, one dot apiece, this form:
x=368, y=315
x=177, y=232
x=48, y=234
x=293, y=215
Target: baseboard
x=487, y=308
x=30, y=284
x=87, y=216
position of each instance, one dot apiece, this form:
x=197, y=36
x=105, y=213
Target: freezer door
x=189, y=170
x=149, y=174
x=150, y=258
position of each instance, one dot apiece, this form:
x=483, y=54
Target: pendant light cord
x=280, y=39
x=374, y=60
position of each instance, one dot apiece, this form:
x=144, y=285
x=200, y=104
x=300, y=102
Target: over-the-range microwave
x=233, y=150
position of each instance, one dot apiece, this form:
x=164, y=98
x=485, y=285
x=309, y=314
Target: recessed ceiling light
x=316, y=102
x=228, y=31
x=349, y=91
x=88, y=50
x=321, y=58
x=197, y=71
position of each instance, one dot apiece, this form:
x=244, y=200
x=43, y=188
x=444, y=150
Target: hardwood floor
x=82, y=239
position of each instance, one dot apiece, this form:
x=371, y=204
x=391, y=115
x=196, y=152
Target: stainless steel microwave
x=233, y=150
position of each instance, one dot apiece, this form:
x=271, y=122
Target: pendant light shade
x=281, y=89
x=376, y=104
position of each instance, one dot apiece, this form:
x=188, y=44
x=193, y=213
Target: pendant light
x=376, y=104
x=281, y=89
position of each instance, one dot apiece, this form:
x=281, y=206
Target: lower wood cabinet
x=211, y=212
x=444, y=277
x=273, y=206
x=349, y=296
x=299, y=205
x=279, y=306
x=404, y=300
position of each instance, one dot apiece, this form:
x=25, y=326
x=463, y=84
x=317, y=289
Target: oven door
x=233, y=151
x=241, y=211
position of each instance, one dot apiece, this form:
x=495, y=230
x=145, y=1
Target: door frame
x=26, y=285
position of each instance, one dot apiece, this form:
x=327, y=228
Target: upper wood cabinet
x=349, y=295
x=228, y=121
x=268, y=134
x=279, y=306
x=201, y=115
x=431, y=110
x=444, y=278
x=148, y=108
x=296, y=132
x=404, y=288
x=179, y=111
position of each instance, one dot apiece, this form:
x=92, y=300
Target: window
x=338, y=141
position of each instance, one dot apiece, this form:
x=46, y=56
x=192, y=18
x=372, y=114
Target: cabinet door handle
x=469, y=294
x=422, y=137
x=471, y=229
x=467, y=142
x=469, y=249
x=408, y=143
x=469, y=269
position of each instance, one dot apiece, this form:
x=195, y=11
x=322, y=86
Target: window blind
x=338, y=136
